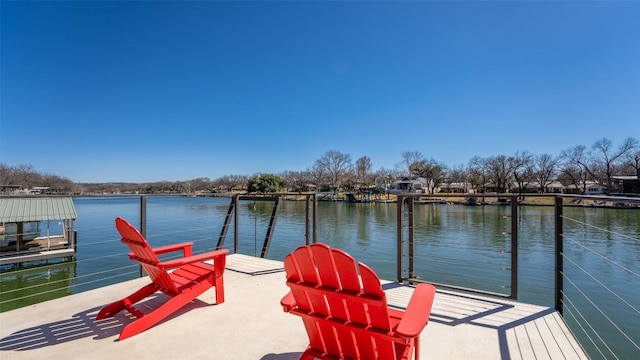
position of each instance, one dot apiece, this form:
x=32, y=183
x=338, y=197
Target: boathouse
x=36, y=228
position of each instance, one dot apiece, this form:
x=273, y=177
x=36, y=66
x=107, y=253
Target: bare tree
x=349, y=180
x=161, y=187
x=520, y=165
x=230, y=182
x=200, y=184
x=500, y=171
x=430, y=170
x=297, y=180
x=58, y=185
x=544, y=170
x=22, y=175
x=26, y=177
x=335, y=165
x=633, y=166
x=478, y=173
x=606, y=158
x=318, y=177
x=573, y=174
x=223, y=183
x=458, y=174
x=305, y=181
x=578, y=166
x=409, y=158
x=241, y=181
x=383, y=178
x=6, y=173
x=363, y=169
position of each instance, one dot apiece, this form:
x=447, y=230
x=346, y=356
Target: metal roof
x=36, y=209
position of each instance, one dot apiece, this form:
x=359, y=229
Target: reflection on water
x=51, y=281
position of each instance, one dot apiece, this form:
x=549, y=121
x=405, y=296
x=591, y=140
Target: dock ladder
x=232, y=212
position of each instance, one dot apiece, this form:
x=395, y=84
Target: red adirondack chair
x=191, y=278
x=345, y=313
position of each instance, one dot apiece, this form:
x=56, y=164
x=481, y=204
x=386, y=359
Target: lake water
x=465, y=246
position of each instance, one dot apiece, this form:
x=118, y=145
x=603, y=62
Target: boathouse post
x=19, y=235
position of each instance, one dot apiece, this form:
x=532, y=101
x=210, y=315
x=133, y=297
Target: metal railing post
x=399, y=254
x=143, y=222
x=514, y=247
x=307, y=204
x=558, y=254
x=410, y=203
x=315, y=218
x=143, y=215
x=236, y=199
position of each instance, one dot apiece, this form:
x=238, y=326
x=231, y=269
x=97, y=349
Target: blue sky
x=148, y=91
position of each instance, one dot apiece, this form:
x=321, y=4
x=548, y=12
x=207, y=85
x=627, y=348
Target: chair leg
x=115, y=307
x=155, y=316
x=219, y=263
x=219, y=284
x=164, y=310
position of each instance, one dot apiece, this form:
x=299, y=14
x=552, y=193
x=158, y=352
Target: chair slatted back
x=328, y=283
x=142, y=252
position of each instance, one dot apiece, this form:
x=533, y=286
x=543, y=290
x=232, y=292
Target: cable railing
x=585, y=252
x=486, y=262
x=101, y=259
x=598, y=276
x=584, y=256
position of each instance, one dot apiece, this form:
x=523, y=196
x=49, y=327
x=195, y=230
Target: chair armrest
x=212, y=255
x=185, y=247
x=416, y=316
x=288, y=302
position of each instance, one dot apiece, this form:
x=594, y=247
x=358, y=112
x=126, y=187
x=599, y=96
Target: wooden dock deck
x=251, y=325
x=40, y=248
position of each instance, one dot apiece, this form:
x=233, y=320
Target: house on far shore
x=17, y=190
x=555, y=187
x=530, y=188
x=592, y=188
x=491, y=188
x=456, y=188
x=625, y=184
x=406, y=185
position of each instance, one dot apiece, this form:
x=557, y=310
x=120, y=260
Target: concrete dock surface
x=251, y=324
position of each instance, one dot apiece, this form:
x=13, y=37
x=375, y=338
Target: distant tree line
x=26, y=177
x=335, y=171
